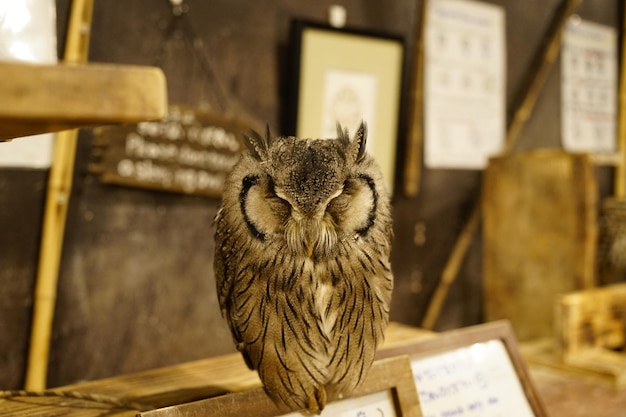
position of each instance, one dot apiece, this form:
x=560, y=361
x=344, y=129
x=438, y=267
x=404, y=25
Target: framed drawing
x=388, y=390
x=473, y=371
x=346, y=76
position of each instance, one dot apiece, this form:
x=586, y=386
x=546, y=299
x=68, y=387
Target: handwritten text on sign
x=189, y=152
x=379, y=404
x=478, y=380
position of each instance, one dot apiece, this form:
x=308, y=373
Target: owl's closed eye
x=279, y=206
x=354, y=210
x=263, y=210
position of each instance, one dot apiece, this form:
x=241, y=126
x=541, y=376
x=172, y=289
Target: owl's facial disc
x=312, y=195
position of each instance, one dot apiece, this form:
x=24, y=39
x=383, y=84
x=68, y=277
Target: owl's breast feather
x=322, y=296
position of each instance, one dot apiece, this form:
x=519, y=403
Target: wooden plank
x=611, y=365
x=398, y=334
x=539, y=236
x=593, y=366
x=565, y=395
x=48, y=98
x=392, y=374
x=591, y=319
x=156, y=388
x=57, y=407
x=179, y=383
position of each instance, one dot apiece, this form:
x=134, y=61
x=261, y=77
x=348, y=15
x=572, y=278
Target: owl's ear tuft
x=356, y=149
x=258, y=145
x=342, y=135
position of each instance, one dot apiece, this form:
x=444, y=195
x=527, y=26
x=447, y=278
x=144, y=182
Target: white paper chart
x=589, y=84
x=474, y=381
x=464, y=83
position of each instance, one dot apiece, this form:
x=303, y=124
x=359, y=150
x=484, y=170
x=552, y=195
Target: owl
x=303, y=238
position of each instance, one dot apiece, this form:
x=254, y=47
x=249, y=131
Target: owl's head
x=307, y=193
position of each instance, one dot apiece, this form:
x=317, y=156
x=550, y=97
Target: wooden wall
x=136, y=286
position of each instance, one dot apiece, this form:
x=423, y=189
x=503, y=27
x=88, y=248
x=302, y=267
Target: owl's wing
x=224, y=280
x=221, y=282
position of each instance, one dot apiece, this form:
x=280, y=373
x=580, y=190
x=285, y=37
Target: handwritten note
x=379, y=404
x=478, y=380
x=190, y=152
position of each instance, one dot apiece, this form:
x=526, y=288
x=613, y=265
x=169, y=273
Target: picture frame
x=388, y=389
x=348, y=75
x=489, y=350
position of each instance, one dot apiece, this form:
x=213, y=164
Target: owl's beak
x=309, y=249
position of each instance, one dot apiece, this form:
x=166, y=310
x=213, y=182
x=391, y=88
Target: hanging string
x=180, y=25
x=114, y=402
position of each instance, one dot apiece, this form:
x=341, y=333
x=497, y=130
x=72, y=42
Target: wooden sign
x=471, y=372
x=387, y=390
x=189, y=151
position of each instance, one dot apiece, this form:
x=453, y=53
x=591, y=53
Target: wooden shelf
x=48, y=98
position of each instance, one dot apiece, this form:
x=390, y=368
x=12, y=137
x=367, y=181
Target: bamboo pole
x=620, y=167
x=521, y=116
x=57, y=199
x=415, y=123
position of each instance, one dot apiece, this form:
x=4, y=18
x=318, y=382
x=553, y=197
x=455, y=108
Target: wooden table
x=573, y=396
x=562, y=394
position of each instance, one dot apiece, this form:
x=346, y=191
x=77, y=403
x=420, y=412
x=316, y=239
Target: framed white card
x=475, y=371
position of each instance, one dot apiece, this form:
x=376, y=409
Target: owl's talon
x=320, y=396
x=313, y=407
x=317, y=402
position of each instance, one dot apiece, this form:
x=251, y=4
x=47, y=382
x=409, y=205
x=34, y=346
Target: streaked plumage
x=302, y=264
